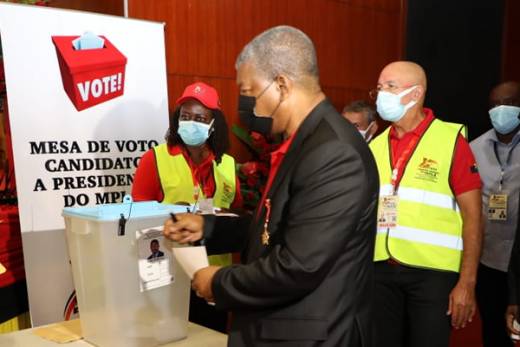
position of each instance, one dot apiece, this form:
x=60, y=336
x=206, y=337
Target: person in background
x=429, y=230
x=363, y=116
x=498, y=158
x=193, y=167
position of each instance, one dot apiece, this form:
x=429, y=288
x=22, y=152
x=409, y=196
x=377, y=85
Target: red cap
x=203, y=93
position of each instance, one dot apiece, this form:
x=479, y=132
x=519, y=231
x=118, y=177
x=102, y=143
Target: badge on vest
x=428, y=170
x=387, y=211
x=228, y=193
x=497, y=207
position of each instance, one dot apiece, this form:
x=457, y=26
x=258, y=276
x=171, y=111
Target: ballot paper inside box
x=90, y=76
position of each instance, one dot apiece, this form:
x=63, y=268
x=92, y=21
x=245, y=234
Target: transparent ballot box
x=130, y=290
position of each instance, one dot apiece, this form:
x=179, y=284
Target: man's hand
x=462, y=305
x=188, y=228
x=201, y=283
x=511, y=315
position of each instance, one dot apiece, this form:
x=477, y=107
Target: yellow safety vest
x=429, y=224
x=177, y=185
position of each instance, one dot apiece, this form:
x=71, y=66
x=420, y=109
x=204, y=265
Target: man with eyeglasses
x=498, y=157
x=428, y=238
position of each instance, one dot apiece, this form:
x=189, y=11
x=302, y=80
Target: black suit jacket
x=312, y=285
x=157, y=255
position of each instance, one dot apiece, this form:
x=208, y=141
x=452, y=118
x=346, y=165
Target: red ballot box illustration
x=90, y=76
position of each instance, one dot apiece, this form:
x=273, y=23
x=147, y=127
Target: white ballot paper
x=191, y=258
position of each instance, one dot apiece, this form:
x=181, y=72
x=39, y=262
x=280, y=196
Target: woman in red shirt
x=192, y=167
x=199, y=106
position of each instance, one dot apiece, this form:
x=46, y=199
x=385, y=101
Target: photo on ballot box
x=156, y=264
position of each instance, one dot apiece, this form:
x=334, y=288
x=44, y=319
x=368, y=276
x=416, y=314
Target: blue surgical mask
x=194, y=133
x=505, y=118
x=389, y=105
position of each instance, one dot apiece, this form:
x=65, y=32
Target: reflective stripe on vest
x=435, y=238
x=177, y=185
x=422, y=196
x=429, y=230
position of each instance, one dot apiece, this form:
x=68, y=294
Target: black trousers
x=492, y=303
x=411, y=306
x=206, y=315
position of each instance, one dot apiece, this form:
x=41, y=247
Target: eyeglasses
x=392, y=88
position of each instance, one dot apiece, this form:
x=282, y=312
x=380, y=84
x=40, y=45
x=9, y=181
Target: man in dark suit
x=306, y=277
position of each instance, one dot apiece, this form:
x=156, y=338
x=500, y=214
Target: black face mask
x=246, y=106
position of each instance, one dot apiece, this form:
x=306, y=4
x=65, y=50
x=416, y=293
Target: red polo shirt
x=463, y=176
x=147, y=185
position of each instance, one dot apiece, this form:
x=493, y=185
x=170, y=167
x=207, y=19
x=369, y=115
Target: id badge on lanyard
x=497, y=207
x=202, y=204
x=387, y=212
x=387, y=216
x=497, y=204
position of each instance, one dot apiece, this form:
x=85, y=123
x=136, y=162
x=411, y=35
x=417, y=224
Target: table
x=197, y=336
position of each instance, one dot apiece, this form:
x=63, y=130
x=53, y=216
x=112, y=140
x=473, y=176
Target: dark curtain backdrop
x=459, y=44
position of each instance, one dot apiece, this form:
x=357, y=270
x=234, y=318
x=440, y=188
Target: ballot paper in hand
x=191, y=258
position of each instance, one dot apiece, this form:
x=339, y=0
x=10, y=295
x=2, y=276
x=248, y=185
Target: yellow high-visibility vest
x=177, y=185
x=429, y=224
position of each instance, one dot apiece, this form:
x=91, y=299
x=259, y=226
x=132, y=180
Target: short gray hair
x=362, y=106
x=282, y=50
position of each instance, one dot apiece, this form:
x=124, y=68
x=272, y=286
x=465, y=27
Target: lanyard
x=503, y=166
x=400, y=165
x=201, y=186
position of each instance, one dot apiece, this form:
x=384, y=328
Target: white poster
x=87, y=96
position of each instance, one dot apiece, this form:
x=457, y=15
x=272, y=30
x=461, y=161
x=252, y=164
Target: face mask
x=246, y=111
x=364, y=132
x=505, y=118
x=389, y=105
x=246, y=107
x=194, y=133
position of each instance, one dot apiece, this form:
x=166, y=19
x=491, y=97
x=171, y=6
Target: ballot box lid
x=113, y=212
